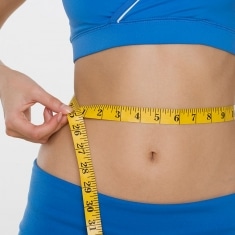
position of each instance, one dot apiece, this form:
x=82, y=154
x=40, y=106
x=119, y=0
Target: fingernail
x=59, y=117
x=67, y=108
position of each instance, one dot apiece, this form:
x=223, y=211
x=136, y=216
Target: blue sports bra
x=98, y=25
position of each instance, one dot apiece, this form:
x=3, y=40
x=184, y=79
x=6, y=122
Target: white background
x=35, y=41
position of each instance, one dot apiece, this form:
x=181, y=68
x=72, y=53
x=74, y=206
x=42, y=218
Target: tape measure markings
x=159, y=115
x=86, y=171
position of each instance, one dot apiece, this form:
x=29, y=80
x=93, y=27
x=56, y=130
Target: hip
x=120, y=217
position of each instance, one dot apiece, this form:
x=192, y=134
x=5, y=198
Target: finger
x=35, y=133
x=64, y=121
x=47, y=114
x=52, y=103
x=27, y=113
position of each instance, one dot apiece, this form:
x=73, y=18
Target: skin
x=141, y=162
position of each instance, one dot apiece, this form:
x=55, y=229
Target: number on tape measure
x=159, y=115
x=87, y=174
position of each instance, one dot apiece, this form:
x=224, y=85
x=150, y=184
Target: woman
x=151, y=178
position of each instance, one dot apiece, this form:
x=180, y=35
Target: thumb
x=52, y=103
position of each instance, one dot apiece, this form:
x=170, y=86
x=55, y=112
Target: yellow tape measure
x=159, y=115
x=86, y=171
x=126, y=114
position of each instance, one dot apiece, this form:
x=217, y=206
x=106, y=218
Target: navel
x=153, y=157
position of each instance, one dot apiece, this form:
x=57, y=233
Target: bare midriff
x=151, y=162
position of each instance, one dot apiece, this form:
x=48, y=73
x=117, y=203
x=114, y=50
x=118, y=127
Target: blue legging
x=55, y=208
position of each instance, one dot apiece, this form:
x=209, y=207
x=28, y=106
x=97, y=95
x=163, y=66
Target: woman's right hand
x=18, y=93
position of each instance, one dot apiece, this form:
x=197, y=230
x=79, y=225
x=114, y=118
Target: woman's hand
x=18, y=93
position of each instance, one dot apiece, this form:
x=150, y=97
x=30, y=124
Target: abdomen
x=152, y=162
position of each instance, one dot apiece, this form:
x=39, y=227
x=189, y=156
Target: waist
x=150, y=163
x=147, y=162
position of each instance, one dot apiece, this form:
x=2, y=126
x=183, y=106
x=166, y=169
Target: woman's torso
x=147, y=162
